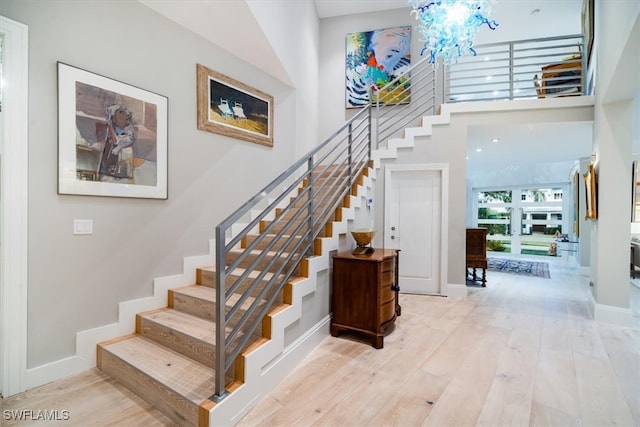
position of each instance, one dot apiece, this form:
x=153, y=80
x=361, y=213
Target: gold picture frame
x=635, y=191
x=591, y=193
x=231, y=108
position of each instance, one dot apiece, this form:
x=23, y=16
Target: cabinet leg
x=378, y=342
x=334, y=331
x=484, y=277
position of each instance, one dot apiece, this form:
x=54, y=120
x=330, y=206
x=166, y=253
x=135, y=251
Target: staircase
x=170, y=359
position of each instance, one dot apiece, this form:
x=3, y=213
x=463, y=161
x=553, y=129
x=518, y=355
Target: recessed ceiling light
x=534, y=11
x=494, y=140
x=478, y=150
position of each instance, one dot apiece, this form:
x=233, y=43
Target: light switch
x=82, y=226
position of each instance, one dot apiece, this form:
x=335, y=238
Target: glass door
x=542, y=210
x=521, y=220
x=494, y=213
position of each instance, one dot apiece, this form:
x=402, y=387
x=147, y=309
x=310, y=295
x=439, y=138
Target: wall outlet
x=82, y=226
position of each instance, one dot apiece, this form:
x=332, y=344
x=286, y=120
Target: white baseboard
x=455, y=291
x=613, y=315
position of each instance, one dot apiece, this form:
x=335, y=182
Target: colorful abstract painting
x=373, y=59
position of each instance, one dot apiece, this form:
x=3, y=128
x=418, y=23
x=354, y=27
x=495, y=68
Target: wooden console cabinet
x=365, y=294
x=476, y=256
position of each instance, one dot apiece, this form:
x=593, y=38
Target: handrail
x=290, y=212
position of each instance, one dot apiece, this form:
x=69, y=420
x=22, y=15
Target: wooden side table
x=365, y=294
x=476, y=256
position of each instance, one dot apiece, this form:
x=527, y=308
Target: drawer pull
x=395, y=288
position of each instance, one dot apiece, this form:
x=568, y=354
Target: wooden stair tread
x=208, y=294
x=238, y=271
x=197, y=291
x=185, y=323
x=191, y=380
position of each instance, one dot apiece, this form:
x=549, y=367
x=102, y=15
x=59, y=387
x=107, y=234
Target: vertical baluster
x=311, y=205
x=220, y=390
x=511, y=65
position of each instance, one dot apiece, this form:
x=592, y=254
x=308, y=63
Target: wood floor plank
x=448, y=357
x=462, y=400
x=259, y=413
x=471, y=357
x=509, y=399
x=412, y=402
x=364, y=403
x=545, y=416
x=555, y=385
x=602, y=402
x=91, y=398
x=623, y=348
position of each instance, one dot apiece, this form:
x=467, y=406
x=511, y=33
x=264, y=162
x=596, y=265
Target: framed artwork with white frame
x=112, y=137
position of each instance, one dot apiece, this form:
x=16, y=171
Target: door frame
x=443, y=168
x=14, y=208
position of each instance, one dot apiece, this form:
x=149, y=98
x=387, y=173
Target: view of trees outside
x=535, y=215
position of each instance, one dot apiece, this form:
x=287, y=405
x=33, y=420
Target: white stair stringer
x=389, y=149
x=267, y=364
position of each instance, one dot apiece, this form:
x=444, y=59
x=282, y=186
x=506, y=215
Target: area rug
x=514, y=266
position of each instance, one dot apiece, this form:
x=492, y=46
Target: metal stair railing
x=307, y=194
x=305, y=198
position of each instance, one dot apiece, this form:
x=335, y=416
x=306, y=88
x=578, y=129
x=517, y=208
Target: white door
x=413, y=224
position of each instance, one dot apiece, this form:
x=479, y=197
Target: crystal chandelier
x=449, y=26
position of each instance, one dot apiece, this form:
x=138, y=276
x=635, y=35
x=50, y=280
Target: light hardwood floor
x=522, y=351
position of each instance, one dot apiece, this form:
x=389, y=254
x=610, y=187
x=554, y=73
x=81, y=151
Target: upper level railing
x=308, y=193
x=537, y=68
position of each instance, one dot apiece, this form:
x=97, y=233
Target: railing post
x=220, y=391
x=444, y=67
x=377, y=119
x=350, y=154
x=311, y=207
x=584, y=58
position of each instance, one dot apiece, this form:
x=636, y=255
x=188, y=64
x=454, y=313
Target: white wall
x=522, y=173
x=76, y=282
x=618, y=48
x=293, y=31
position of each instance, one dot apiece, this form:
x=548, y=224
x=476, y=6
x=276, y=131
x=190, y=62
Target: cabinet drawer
x=387, y=310
x=389, y=264
x=386, y=293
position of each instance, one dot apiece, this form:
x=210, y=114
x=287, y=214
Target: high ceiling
x=332, y=8
x=519, y=19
